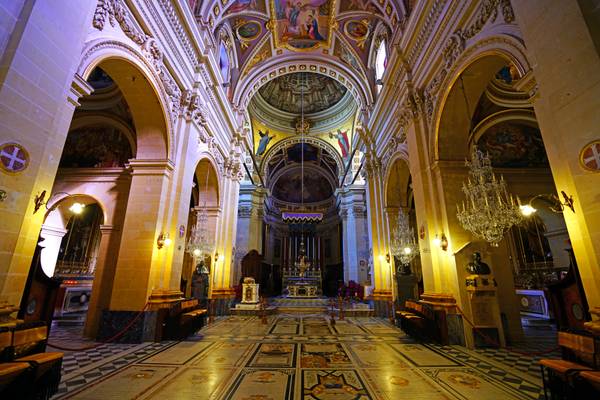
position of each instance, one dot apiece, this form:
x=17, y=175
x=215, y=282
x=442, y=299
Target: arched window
x=380, y=63
x=224, y=62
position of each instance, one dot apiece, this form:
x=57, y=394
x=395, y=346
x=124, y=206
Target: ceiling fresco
x=335, y=30
x=288, y=187
x=302, y=90
x=513, y=145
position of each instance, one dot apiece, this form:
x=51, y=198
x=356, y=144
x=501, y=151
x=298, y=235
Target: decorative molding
x=455, y=47
x=117, y=13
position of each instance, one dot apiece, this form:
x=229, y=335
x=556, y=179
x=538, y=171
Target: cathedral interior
x=300, y=199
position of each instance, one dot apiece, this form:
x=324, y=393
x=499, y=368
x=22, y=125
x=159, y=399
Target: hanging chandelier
x=404, y=246
x=489, y=210
x=200, y=244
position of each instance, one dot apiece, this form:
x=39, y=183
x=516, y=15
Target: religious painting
x=289, y=187
x=302, y=24
x=239, y=6
x=248, y=31
x=96, y=147
x=265, y=138
x=513, y=145
x=343, y=142
x=357, y=30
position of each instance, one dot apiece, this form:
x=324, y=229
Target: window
x=380, y=63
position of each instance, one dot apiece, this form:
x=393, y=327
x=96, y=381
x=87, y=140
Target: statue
x=478, y=267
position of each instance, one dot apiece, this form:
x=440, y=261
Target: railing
x=66, y=268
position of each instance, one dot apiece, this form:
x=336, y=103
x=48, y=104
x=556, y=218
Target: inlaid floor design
x=298, y=357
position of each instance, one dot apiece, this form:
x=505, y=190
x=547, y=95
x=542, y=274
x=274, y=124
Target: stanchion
x=263, y=310
x=341, y=307
x=390, y=310
x=332, y=313
x=211, y=311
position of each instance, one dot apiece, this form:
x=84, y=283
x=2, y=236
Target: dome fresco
x=285, y=92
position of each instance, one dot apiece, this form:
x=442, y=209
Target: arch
x=397, y=182
x=55, y=227
x=249, y=85
x=527, y=116
x=208, y=183
x=80, y=121
x=287, y=142
x=127, y=67
x=499, y=50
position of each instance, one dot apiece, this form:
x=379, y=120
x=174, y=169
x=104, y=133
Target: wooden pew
x=185, y=318
x=560, y=376
x=419, y=321
x=27, y=371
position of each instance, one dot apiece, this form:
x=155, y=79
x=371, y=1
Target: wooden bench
x=26, y=370
x=185, y=318
x=419, y=321
x=560, y=376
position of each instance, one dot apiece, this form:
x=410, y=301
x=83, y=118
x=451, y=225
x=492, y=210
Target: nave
x=292, y=356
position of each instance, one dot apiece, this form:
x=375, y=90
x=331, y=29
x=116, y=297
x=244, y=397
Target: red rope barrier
x=494, y=343
x=109, y=340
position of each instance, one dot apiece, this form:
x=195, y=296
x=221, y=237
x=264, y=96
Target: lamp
x=528, y=209
x=163, y=240
x=3, y=195
x=200, y=244
x=76, y=208
x=441, y=241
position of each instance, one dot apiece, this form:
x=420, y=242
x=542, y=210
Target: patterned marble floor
x=296, y=357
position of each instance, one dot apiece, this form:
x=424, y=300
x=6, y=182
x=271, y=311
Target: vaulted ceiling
x=339, y=32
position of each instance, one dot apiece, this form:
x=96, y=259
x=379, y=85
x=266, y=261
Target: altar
x=302, y=280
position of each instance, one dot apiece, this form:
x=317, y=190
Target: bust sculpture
x=478, y=267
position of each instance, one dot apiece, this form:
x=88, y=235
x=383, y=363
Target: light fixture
x=556, y=206
x=527, y=210
x=3, y=195
x=444, y=242
x=489, y=210
x=200, y=243
x=404, y=245
x=77, y=208
x=163, y=240
x=441, y=241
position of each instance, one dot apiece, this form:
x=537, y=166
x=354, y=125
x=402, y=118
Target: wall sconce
x=163, y=240
x=76, y=208
x=3, y=195
x=528, y=209
x=441, y=241
x=219, y=257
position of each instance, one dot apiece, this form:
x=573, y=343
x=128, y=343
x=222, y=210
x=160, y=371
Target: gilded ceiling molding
x=249, y=85
x=287, y=142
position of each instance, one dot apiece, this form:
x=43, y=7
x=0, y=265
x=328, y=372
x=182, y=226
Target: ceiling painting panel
x=302, y=25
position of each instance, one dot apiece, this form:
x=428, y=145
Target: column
x=354, y=233
x=37, y=106
x=222, y=284
x=382, y=290
x=140, y=262
x=104, y=276
x=567, y=113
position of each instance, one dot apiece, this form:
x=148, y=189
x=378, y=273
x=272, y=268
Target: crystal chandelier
x=199, y=244
x=490, y=210
x=404, y=245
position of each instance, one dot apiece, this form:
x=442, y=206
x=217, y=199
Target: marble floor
x=296, y=357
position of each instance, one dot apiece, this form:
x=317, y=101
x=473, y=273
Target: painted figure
x=478, y=267
x=343, y=142
x=241, y=5
x=263, y=143
x=313, y=28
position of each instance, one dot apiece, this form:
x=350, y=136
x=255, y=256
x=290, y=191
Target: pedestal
x=485, y=312
x=250, y=293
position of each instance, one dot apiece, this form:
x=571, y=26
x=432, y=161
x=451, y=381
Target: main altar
x=302, y=280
